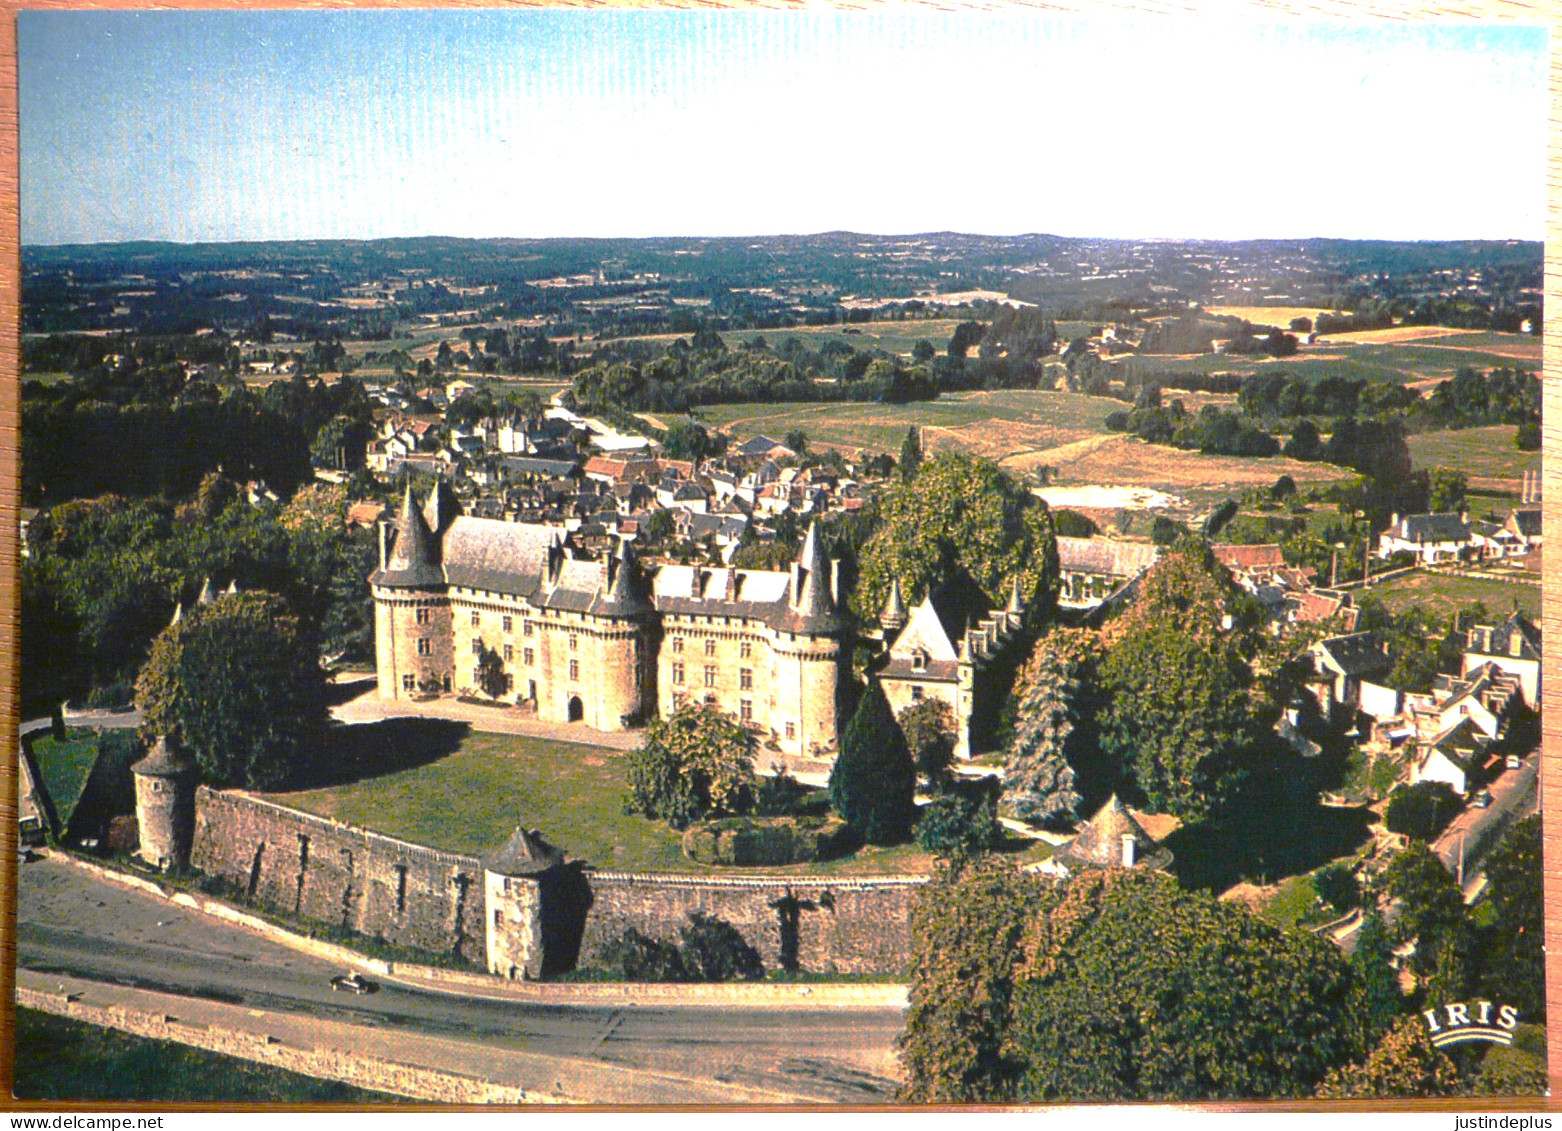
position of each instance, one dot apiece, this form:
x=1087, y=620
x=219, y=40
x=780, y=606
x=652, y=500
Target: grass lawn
x=1443, y=594
x=61, y=1059
x=1294, y=902
x=1486, y=453
x=65, y=767
x=471, y=800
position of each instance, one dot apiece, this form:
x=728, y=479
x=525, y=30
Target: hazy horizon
x=216, y=127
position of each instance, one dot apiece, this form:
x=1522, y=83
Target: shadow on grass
x=1275, y=828
x=351, y=753
x=346, y=691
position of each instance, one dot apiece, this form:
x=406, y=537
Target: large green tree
x=967, y=926
x=239, y=683
x=1513, y=952
x=958, y=518
x=873, y=782
x=1053, y=758
x=1431, y=912
x=1135, y=989
x=1404, y=1064
x=697, y=762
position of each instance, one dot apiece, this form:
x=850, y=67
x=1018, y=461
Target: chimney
x=1128, y=850
x=1393, y=521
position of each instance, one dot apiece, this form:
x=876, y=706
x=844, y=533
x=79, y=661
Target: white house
x=1431, y=537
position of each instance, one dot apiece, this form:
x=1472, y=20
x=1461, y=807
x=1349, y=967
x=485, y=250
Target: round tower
x=809, y=637
x=413, y=640
x=625, y=677
x=165, y=805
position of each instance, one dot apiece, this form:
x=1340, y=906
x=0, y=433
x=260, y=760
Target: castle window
x=919, y=661
x=531, y=657
x=916, y=694
x=710, y=675
x=477, y=618
x=745, y=649
x=409, y=683
x=677, y=673
x=746, y=710
x=509, y=652
x=710, y=699
x=677, y=644
x=574, y=643
x=526, y=628
x=423, y=615
x=574, y=669
x=509, y=624
x=710, y=647
x=746, y=679
x=477, y=646
x=509, y=682
x=679, y=699
x=425, y=646
x=791, y=731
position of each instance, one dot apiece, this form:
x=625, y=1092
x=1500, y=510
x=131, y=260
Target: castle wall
x=848, y=926
x=332, y=873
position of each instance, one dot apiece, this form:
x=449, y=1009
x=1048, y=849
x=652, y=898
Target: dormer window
x=919, y=661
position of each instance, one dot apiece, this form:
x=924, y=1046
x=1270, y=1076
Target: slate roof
x=524, y=854
x=1100, y=843
x=532, y=465
x=1423, y=529
x=1104, y=556
x=1502, y=639
x=413, y=562
x=1358, y=654
x=165, y=760
x=1527, y=522
x=506, y=557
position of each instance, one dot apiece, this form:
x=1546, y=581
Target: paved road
x=70, y=923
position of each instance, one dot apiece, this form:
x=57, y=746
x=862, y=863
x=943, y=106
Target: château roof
x=524, y=854
x=165, y=760
x=1100, y=843
x=413, y=562
x=1104, y=556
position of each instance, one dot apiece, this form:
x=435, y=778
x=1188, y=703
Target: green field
x=61, y=1059
x=1478, y=452
x=65, y=767
x=990, y=423
x=471, y=801
x=1442, y=595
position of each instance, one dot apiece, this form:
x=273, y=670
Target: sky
x=197, y=126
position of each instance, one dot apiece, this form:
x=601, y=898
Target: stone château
x=607, y=641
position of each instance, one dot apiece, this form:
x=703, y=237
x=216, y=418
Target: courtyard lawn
x=1443, y=594
x=470, y=800
x=65, y=768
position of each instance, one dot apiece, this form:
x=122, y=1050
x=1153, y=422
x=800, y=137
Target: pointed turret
x=893, y=618
x=1016, y=605
x=207, y=596
x=625, y=596
x=178, y=615
x=441, y=508
x=233, y=588
x=413, y=562
x=813, y=602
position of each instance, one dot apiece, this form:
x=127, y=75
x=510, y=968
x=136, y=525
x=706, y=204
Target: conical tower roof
x=165, y=760
x=814, y=610
x=524, y=854
x=626, y=595
x=1100, y=842
x=894, y=615
x=414, y=558
x=207, y=594
x=441, y=508
x=1016, y=605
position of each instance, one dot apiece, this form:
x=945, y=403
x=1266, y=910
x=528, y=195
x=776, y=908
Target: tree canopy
x=695, y=763
x=959, y=518
x=1118, y=986
x=1053, y=758
x=873, y=782
x=239, y=683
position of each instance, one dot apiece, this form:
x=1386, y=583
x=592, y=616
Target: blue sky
x=241, y=125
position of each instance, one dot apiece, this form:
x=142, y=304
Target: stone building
x=471, y=606
x=934, y=652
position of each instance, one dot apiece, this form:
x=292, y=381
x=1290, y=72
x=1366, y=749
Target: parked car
x=1515, y=762
x=353, y=983
x=1482, y=799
